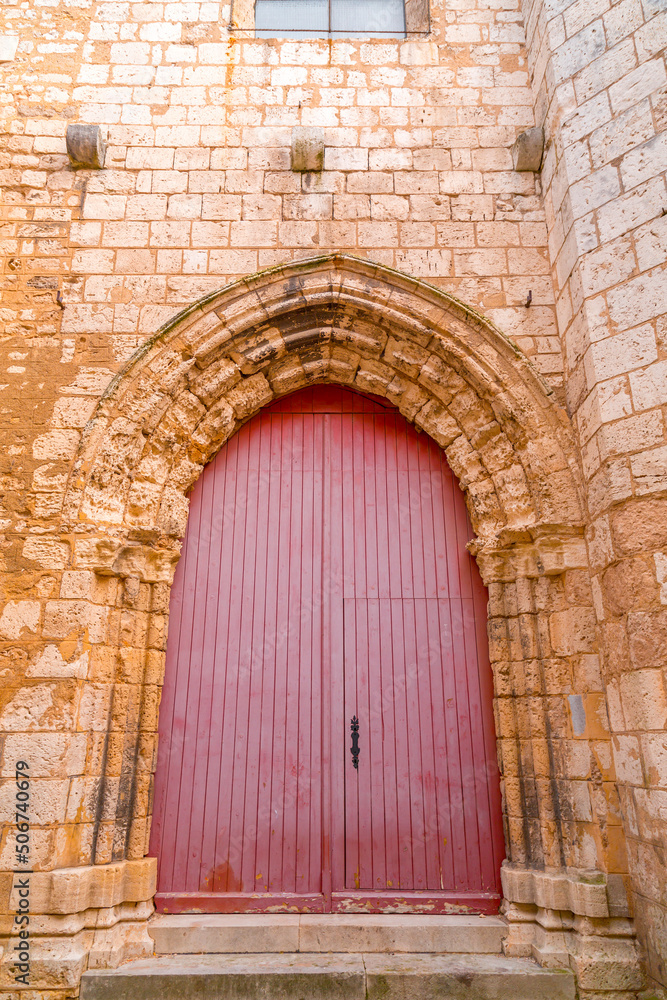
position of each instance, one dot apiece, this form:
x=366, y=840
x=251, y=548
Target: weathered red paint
x=324, y=575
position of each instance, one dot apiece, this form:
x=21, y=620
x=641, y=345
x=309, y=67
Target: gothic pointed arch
x=328, y=319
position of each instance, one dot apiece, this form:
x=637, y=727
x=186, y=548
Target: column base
x=77, y=919
x=575, y=920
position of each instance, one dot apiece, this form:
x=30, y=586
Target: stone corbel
x=85, y=146
x=528, y=150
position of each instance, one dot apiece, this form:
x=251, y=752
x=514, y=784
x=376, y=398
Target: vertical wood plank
x=324, y=574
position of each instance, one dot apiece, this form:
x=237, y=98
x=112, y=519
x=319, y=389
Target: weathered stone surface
x=285, y=977
x=528, y=149
x=307, y=151
x=342, y=933
x=582, y=893
x=334, y=975
x=86, y=148
x=71, y=890
x=61, y=948
x=459, y=977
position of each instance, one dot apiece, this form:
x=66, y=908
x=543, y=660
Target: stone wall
x=198, y=187
x=601, y=88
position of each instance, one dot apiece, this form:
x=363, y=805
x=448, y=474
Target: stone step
x=182, y=934
x=318, y=976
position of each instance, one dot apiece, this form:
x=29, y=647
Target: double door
x=326, y=729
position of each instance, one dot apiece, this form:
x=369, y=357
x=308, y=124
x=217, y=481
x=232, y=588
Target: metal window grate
x=330, y=18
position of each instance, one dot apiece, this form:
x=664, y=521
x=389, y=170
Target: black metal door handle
x=354, y=749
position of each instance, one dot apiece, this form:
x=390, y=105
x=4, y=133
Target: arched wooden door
x=326, y=729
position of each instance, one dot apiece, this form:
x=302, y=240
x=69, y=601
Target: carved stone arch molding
x=457, y=378
x=328, y=319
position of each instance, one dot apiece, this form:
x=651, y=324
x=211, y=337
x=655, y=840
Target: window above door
x=330, y=19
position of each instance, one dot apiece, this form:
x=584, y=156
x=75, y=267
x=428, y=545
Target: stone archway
x=341, y=320
x=329, y=319
x=457, y=378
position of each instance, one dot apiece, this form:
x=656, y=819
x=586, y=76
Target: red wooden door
x=324, y=575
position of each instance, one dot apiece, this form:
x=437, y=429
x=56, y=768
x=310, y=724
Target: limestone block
x=85, y=146
x=549, y=944
x=307, y=153
x=346, y=158
x=17, y=616
x=173, y=515
x=48, y=800
x=648, y=470
x=46, y=551
x=651, y=919
x=121, y=941
x=603, y=963
x=249, y=396
x=55, y=445
x=437, y=422
x=73, y=412
x=418, y=53
x=215, y=380
x=86, y=585
x=50, y=754
x=64, y=619
x=50, y=706
x=373, y=377
x=521, y=928
x=97, y=554
x=55, y=964
x=51, y=663
x=8, y=47
x=573, y=630
x=505, y=558
x=143, y=502
x=286, y=375
x=62, y=947
x=643, y=693
x=109, y=557
x=215, y=428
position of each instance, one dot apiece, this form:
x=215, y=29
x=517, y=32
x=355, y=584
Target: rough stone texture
x=61, y=949
x=333, y=976
x=567, y=501
x=307, y=151
x=85, y=146
x=528, y=149
x=565, y=891
x=73, y=890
